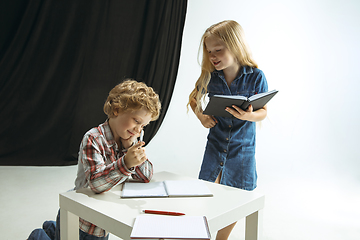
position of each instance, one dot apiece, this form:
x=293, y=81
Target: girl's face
x=219, y=55
x=129, y=124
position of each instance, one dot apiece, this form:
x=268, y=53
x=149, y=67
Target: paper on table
x=168, y=188
x=194, y=227
x=175, y=188
x=152, y=189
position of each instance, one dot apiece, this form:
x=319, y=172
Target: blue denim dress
x=231, y=143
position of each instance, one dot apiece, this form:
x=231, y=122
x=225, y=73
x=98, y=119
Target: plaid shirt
x=101, y=166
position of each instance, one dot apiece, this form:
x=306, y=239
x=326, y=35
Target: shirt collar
x=245, y=70
x=105, y=128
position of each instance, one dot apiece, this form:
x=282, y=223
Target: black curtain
x=60, y=58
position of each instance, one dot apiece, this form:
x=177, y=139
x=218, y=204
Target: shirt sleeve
x=261, y=85
x=143, y=172
x=99, y=176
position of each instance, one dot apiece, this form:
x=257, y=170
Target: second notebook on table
x=167, y=227
x=168, y=188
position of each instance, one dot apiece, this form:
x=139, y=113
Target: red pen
x=163, y=212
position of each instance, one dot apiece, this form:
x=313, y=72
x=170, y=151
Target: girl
x=228, y=68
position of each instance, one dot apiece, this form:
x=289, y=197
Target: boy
x=109, y=153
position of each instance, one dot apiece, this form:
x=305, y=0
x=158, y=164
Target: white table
x=116, y=215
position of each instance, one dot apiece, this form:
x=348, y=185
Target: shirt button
x=221, y=164
x=224, y=150
x=229, y=126
x=227, y=139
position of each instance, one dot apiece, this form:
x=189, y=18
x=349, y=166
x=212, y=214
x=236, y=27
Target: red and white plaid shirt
x=101, y=166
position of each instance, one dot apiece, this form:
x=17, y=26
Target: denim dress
x=231, y=142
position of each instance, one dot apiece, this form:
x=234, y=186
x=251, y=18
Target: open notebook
x=168, y=188
x=170, y=227
x=218, y=103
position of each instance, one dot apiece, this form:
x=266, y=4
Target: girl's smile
x=216, y=63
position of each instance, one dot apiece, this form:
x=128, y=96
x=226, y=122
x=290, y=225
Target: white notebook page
x=154, y=226
x=152, y=189
x=187, y=188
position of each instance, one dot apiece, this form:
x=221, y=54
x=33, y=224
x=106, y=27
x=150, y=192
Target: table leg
x=69, y=225
x=253, y=226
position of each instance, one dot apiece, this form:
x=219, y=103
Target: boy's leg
x=38, y=234
x=49, y=228
x=57, y=227
x=86, y=236
x=82, y=235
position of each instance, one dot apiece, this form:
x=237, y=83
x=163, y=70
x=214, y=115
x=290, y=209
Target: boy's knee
x=38, y=234
x=49, y=228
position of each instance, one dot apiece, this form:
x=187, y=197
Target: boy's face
x=129, y=124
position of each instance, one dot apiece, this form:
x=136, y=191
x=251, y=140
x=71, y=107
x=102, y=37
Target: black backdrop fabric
x=60, y=59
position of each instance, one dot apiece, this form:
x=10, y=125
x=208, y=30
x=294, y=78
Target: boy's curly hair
x=131, y=95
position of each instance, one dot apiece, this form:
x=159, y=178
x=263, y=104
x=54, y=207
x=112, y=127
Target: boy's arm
x=99, y=176
x=137, y=161
x=143, y=172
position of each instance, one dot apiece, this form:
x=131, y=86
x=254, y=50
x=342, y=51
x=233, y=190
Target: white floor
x=294, y=209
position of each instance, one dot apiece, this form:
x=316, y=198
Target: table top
x=117, y=215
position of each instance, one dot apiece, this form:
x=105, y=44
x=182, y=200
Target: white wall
x=307, y=149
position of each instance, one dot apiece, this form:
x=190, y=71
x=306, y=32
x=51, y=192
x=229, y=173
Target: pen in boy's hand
x=141, y=135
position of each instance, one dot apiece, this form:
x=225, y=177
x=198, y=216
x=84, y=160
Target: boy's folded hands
x=135, y=155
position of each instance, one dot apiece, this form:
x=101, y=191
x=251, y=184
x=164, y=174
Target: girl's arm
x=206, y=120
x=248, y=115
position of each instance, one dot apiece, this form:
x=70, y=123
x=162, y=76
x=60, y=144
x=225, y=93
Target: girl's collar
x=243, y=70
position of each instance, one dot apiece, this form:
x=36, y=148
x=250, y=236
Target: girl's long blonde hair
x=232, y=34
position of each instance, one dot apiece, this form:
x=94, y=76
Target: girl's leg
x=218, y=178
x=224, y=233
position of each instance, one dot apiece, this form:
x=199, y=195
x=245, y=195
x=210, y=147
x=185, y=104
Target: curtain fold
x=62, y=59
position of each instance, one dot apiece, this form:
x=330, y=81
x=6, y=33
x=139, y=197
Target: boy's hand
x=135, y=155
x=207, y=121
